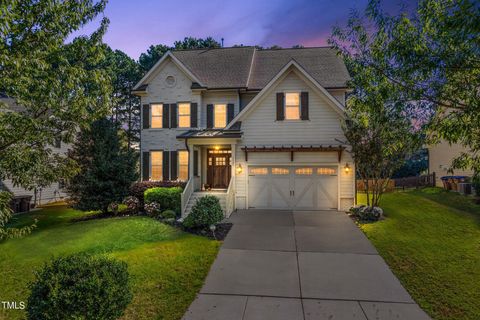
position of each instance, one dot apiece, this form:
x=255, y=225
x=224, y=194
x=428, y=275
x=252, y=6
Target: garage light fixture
x=239, y=169
x=347, y=168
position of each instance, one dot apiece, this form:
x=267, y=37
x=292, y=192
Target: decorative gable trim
x=292, y=65
x=177, y=62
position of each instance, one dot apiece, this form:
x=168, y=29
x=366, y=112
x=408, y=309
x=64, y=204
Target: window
x=183, y=165
x=325, y=171
x=184, y=115
x=157, y=116
x=304, y=171
x=292, y=106
x=220, y=161
x=259, y=171
x=280, y=171
x=220, y=116
x=156, y=158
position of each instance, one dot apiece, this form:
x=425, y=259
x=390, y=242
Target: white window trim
x=299, y=105
x=226, y=114
x=150, y=115
x=178, y=114
x=151, y=164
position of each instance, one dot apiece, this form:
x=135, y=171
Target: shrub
x=167, y=198
x=138, y=189
x=205, y=212
x=80, y=286
x=153, y=209
x=132, y=204
x=169, y=214
x=365, y=213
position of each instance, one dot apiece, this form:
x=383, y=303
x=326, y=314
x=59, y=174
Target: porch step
x=196, y=195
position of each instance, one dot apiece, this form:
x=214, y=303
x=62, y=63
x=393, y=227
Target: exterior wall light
x=217, y=148
x=347, y=168
x=239, y=169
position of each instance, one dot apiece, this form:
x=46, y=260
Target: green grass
x=167, y=266
x=431, y=241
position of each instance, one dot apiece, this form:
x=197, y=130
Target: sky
x=137, y=24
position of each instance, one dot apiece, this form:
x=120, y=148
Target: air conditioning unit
x=465, y=188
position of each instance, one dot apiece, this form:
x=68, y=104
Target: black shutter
x=166, y=116
x=230, y=112
x=209, y=115
x=146, y=166
x=280, y=106
x=173, y=165
x=304, y=106
x=165, y=165
x=195, y=163
x=173, y=116
x=146, y=116
x=193, y=115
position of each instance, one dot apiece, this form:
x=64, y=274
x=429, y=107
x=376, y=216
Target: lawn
x=431, y=240
x=167, y=266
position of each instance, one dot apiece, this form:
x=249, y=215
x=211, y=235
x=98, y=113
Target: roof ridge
x=208, y=49
x=251, y=68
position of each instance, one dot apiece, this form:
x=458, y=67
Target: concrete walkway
x=300, y=265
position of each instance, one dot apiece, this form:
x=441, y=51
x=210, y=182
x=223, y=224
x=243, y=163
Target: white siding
x=324, y=127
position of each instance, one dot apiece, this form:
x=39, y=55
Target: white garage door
x=302, y=187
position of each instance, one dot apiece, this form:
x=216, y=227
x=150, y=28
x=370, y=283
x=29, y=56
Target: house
x=52, y=193
x=440, y=157
x=257, y=128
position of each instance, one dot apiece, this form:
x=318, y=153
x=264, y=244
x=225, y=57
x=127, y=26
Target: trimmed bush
x=80, y=286
x=153, y=209
x=364, y=213
x=167, y=198
x=132, y=204
x=205, y=212
x=138, y=189
x=169, y=214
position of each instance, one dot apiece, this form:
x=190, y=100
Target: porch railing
x=230, y=198
x=187, y=192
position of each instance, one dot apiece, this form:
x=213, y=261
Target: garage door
x=301, y=187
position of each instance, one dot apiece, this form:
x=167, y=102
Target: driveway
x=300, y=265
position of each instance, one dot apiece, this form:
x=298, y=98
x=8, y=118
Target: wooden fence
x=409, y=182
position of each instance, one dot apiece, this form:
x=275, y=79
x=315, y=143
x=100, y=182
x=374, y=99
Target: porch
x=211, y=167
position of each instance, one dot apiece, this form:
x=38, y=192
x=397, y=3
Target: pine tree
x=107, y=167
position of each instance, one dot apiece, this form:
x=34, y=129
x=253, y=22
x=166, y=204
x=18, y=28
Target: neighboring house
x=52, y=193
x=257, y=128
x=440, y=157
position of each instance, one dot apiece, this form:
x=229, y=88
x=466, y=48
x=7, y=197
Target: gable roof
x=251, y=68
x=291, y=65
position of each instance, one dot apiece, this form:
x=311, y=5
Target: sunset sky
x=135, y=25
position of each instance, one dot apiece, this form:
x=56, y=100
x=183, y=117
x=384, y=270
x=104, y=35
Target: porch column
x=190, y=161
x=234, y=173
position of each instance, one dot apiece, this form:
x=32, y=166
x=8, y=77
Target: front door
x=219, y=168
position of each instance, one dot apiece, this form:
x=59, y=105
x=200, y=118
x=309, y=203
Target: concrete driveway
x=300, y=265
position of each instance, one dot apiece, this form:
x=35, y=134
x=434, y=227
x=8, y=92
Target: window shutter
x=165, y=165
x=173, y=116
x=166, y=116
x=195, y=163
x=146, y=116
x=304, y=105
x=280, y=106
x=173, y=165
x=146, y=166
x=209, y=115
x=230, y=112
x=193, y=115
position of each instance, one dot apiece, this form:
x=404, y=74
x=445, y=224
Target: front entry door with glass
x=219, y=168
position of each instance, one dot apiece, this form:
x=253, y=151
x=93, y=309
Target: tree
x=107, y=168
x=432, y=57
x=196, y=43
x=58, y=87
x=153, y=54
x=5, y=216
x=382, y=127
x=125, y=73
